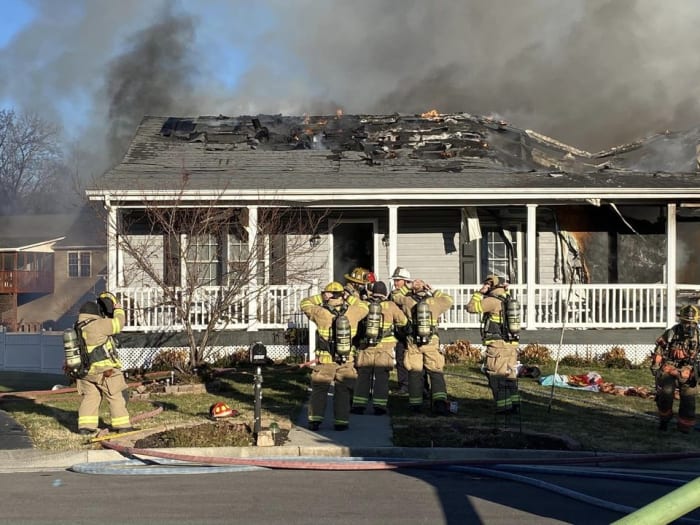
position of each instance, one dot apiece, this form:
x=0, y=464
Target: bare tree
x=30, y=163
x=203, y=259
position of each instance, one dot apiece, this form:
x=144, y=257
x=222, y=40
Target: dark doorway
x=352, y=246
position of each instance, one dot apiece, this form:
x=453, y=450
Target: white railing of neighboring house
x=277, y=307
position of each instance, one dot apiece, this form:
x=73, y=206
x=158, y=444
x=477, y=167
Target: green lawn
x=598, y=421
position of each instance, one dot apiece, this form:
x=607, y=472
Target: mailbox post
x=258, y=356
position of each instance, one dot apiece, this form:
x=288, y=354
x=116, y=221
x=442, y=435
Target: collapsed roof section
x=442, y=142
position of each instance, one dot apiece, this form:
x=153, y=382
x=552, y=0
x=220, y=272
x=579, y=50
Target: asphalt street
x=404, y=497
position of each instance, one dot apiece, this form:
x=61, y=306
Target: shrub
x=231, y=360
x=615, y=358
x=575, y=360
x=169, y=359
x=462, y=351
x=535, y=353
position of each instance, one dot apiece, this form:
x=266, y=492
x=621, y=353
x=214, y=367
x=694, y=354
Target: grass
x=51, y=418
x=597, y=421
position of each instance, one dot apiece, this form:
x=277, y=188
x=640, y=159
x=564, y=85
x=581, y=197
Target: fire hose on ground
x=682, y=500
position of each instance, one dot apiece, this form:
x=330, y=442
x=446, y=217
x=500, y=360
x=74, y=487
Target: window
x=237, y=257
x=203, y=261
x=500, y=253
x=79, y=264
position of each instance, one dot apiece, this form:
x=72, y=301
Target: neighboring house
x=601, y=240
x=50, y=265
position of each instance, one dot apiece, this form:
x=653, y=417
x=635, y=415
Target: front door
x=352, y=247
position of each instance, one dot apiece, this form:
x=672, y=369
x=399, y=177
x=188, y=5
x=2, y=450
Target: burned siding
x=617, y=245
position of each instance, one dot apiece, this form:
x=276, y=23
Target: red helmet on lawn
x=220, y=409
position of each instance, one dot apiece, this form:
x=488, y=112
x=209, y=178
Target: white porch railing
x=277, y=307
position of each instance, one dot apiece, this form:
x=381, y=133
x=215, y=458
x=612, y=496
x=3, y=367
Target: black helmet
x=90, y=307
x=690, y=313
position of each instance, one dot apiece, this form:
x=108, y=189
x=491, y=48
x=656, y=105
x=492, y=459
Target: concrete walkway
x=364, y=431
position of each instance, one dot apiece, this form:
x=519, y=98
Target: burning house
x=599, y=242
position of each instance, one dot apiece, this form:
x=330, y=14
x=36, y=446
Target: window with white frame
x=500, y=253
x=203, y=259
x=79, y=264
x=237, y=256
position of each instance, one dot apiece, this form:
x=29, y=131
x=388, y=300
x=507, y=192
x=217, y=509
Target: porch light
x=385, y=241
x=315, y=240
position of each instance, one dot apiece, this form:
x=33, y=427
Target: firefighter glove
x=685, y=374
x=669, y=369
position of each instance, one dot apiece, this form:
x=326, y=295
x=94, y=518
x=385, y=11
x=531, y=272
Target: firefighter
x=400, y=278
x=423, y=306
x=674, y=363
x=359, y=282
x=99, y=322
x=336, y=316
x=501, y=360
x=376, y=355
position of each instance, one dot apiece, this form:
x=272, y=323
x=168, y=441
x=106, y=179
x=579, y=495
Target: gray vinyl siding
x=546, y=256
x=316, y=259
x=429, y=244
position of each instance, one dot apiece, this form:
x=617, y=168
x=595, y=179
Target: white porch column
x=393, y=233
x=312, y=326
x=671, y=264
x=530, y=280
x=112, y=254
x=253, y=258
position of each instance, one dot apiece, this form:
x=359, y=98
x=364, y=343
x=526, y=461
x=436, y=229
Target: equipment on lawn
x=220, y=409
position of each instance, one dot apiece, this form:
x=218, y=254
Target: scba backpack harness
x=340, y=343
x=422, y=325
x=508, y=328
x=75, y=348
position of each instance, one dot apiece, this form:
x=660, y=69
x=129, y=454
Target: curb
x=33, y=460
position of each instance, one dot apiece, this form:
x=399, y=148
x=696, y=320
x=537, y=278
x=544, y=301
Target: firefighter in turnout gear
x=336, y=316
x=674, y=365
x=99, y=322
x=423, y=306
x=501, y=344
x=359, y=282
x=400, y=278
x=375, y=358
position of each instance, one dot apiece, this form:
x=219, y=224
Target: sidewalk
x=366, y=431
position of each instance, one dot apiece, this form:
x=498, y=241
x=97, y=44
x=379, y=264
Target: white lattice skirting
x=143, y=357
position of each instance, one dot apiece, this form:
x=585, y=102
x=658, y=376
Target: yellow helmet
x=358, y=275
x=334, y=286
x=689, y=313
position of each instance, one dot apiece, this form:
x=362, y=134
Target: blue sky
x=16, y=14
